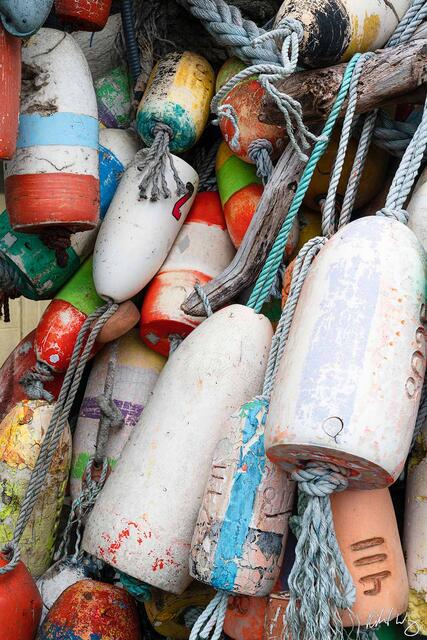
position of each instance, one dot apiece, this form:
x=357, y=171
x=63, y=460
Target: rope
x=111, y=416
x=81, y=353
x=204, y=164
x=153, y=166
x=58, y=240
x=10, y=287
x=269, y=270
x=212, y=618
x=415, y=15
x=226, y=24
x=191, y=615
x=132, y=48
x=204, y=298
x=139, y=590
x=394, y=136
x=33, y=382
x=260, y=152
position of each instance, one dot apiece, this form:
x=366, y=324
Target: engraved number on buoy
x=176, y=211
x=375, y=578
x=415, y=381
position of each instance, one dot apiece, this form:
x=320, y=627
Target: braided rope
x=153, y=166
x=212, y=618
x=204, y=298
x=33, y=382
x=57, y=424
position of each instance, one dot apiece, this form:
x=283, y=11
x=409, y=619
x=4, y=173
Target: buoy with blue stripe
x=21, y=433
x=137, y=234
x=20, y=603
x=336, y=29
x=61, y=322
x=29, y=260
x=202, y=250
x=242, y=526
x=136, y=371
x=22, y=18
x=87, y=15
x=10, y=87
x=52, y=180
x=213, y=372
x=349, y=384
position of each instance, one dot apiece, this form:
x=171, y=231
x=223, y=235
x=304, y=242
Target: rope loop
x=33, y=382
x=398, y=214
x=260, y=152
x=212, y=618
x=12, y=554
x=320, y=480
x=153, y=162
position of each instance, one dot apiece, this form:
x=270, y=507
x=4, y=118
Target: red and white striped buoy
x=10, y=86
x=202, y=250
x=53, y=179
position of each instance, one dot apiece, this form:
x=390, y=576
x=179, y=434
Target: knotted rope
x=204, y=164
x=139, y=590
x=10, y=287
x=59, y=240
x=33, y=382
x=153, y=163
x=80, y=356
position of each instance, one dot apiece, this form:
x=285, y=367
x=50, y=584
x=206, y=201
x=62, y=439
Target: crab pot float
x=336, y=29
x=99, y=47
x=10, y=87
x=178, y=94
x=33, y=264
x=201, y=251
x=21, y=434
x=22, y=18
x=137, y=234
x=226, y=352
x=136, y=373
x=61, y=322
x=92, y=610
x=88, y=15
x=355, y=358
x=52, y=180
x=372, y=551
x=114, y=98
x=240, y=191
x=20, y=603
x=21, y=360
x=241, y=529
x=168, y=612
x=245, y=618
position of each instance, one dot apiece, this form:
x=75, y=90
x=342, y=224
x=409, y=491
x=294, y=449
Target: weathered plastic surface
x=88, y=15
x=22, y=18
x=166, y=463
x=20, y=603
x=349, y=384
x=10, y=87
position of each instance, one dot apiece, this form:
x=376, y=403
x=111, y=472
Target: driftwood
x=388, y=76
x=249, y=259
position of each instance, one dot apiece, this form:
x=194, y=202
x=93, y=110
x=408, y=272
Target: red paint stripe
x=89, y=15
x=207, y=210
x=65, y=199
x=10, y=87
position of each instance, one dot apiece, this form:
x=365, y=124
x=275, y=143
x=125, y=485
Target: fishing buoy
x=240, y=126
x=240, y=190
x=89, y=610
x=242, y=526
x=52, y=180
x=178, y=95
x=219, y=365
x=10, y=87
x=245, y=618
x=201, y=251
x=88, y=15
x=136, y=373
x=169, y=613
x=336, y=29
x=21, y=360
x=371, y=183
x=373, y=553
x=61, y=322
x=349, y=384
x=275, y=620
x=137, y=234
x=21, y=434
x=414, y=536
x=113, y=95
x=22, y=18
x=41, y=274
x=100, y=47
x=55, y=580
x=230, y=68
x=20, y=603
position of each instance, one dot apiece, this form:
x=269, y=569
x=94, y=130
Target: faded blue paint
x=51, y=631
x=340, y=308
x=177, y=118
x=68, y=129
x=22, y=18
x=110, y=172
x=247, y=478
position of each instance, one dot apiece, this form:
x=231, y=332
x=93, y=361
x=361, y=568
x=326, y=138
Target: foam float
x=10, y=87
x=20, y=603
x=88, y=15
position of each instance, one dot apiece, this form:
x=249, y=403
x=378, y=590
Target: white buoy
x=144, y=518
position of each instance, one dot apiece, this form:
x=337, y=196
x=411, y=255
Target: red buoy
x=20, y=603
x=87, y=15
x=10, y=86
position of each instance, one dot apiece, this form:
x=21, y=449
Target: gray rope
x=191, y=615
x=226, y=24
x=57, y=423
x=111, y=416
x=153, y=166
x=212, y=618
x=394, y=136
x=33, y=382
x=260, y=152
x=175, y=341
x=422, y=413
x=319, y=583
x=415, y=15
x=204, y=298
x=204, y=165
x=10, y=278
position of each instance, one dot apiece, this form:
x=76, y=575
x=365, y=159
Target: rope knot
x=58, y=240
x=321, y=480
x=398, y=214
x=33, y=382
x=110, y=411
x=260, y=152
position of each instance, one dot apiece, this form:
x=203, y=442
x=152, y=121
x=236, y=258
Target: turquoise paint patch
x=110, y=172
x=69, y=129
x=172, y=114
x=246, y=481
x=51, y=631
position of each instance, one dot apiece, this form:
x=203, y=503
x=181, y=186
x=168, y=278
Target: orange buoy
x=10, y=85
x=20, y=603
x=87, y=15
x=245, y=617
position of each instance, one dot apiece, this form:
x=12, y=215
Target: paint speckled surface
x=20, y=604
x=90, y=610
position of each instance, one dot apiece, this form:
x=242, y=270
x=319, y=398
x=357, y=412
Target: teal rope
x=272, y=264
x=139, y=590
